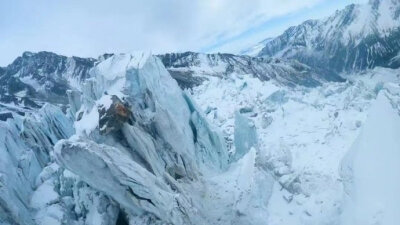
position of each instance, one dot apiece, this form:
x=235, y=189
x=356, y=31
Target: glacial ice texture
x=133, y=147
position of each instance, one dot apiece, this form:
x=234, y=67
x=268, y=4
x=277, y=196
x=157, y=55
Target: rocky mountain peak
x=356, y=38
x=35, y=78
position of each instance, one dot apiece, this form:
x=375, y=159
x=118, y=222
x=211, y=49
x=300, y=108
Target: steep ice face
x=245, y=136
x=16, y=186
x=157, y=99
x=112, y=171
x=164, y=144
x=371, y=169
x=34, y=189
x=41, y=131
x=63, y=198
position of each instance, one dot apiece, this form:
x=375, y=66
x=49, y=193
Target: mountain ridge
x=356, y=38
x=33, y=79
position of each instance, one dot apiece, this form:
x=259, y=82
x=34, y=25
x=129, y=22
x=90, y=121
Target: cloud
x=92, y=27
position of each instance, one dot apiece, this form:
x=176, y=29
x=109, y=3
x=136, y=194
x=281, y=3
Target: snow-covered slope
x=355, y=38
x=253, y=50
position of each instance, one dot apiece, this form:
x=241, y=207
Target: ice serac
x=15, y=185
x=113, y=172
x=206, y=137
x=371, y=169
x=147, y=157
x=25, y=146
x=43, y=130
x=62, y=198
x=245, y=135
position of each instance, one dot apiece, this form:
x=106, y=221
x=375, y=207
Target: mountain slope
x=255, y=49
x=36, y=78
x=355, y=38
x=197, y=67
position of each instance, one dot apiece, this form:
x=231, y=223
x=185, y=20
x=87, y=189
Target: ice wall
x=372, y=169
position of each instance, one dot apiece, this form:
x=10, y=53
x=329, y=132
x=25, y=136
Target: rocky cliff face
x=38, y=78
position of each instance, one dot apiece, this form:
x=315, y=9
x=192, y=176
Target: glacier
x=132, y=147
x=307, y=134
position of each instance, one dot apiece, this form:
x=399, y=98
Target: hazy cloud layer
x=90, y=28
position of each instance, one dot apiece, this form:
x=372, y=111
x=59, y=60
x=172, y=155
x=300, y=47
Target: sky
x=89, y=28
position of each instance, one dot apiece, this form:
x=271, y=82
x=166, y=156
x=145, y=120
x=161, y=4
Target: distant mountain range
x=34, y=79
x=356, y=38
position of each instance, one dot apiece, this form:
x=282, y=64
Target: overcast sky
x=89, y=28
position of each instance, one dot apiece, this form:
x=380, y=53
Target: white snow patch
x=117, y=65
x=44, y=195
x=105, y=101
x=88, y=123
x=21, y=93
x=31, y=82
